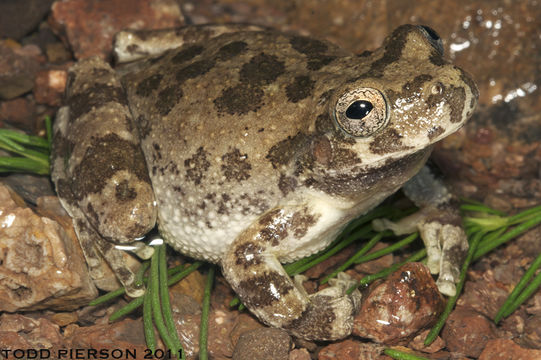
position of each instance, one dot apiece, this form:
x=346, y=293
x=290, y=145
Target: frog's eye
x=433, y=37
x=361, y=112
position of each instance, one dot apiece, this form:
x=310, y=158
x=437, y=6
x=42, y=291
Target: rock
x=19, y=331
x=376, y=265
x=532, y=332
x=418, y=343
x=19, y=17
x=32, y=188
x=121, y=335
x=18, y=112
x=49, y=86
x=57, y=53
x=244, y=323
x=41, y=266
x=350, y=350
x=220, y=325
x=89, y=27
x=299, y=354
x=467, y=332
x=264, y=343
x=397, y=308
x=18, y=67
x=192, y=285
x=504, y=349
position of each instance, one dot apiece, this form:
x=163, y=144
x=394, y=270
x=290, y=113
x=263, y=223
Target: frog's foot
x=446, y=246
x=439, y=224
x=332, y=302
x=95, y=249
x=445, y=241
x=252, y=268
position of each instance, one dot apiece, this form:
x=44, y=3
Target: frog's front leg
x=252, y=267
x=439, y=224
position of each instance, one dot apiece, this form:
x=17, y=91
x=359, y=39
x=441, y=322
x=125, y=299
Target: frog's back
x=220, y=121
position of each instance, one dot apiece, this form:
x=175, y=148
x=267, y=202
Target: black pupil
x=359, y=109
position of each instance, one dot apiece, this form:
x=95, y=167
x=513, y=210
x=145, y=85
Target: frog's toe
x=446, y=245
x=446, y=286
x=327, y=317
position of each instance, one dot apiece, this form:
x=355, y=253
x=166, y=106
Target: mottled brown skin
x=258, y=149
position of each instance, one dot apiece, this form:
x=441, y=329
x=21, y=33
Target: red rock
x=20, y=330
x=18, y=67
x=89, y=26
x=18, y=112
x=17, y=18
x=418, y=343
x=122, y=336
x=243, y=323
x=299, y=354
x=376, y=265
x=49, y=86
x=352, y=350
x=397, y=308
x=263, y=343
x=505, y=349
x=41, y=265
x=467, y=332
x=532, y=332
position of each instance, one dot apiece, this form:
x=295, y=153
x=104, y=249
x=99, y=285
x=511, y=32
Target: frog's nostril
x=433, y=37
x=436, y=89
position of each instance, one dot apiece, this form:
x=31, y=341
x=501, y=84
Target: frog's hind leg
x=252, y=268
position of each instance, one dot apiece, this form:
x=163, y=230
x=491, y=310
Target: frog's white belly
x=193, y=237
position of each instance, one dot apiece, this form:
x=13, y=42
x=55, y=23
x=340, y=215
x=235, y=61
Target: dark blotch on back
x=314, y=50
x=257, y=290
x=308, y=46
x=393, y=51
x=300, y=88
x=146, y=86
x=187, y=54
x=262, y=69
x=235, y=166
x=93, y=97
x=239, y=99
x=90, y=176
x=167, y=99
x=231, y=50
x=193, y=70
x=317, y=62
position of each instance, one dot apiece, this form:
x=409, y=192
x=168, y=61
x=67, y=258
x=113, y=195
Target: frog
x=251, y=148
